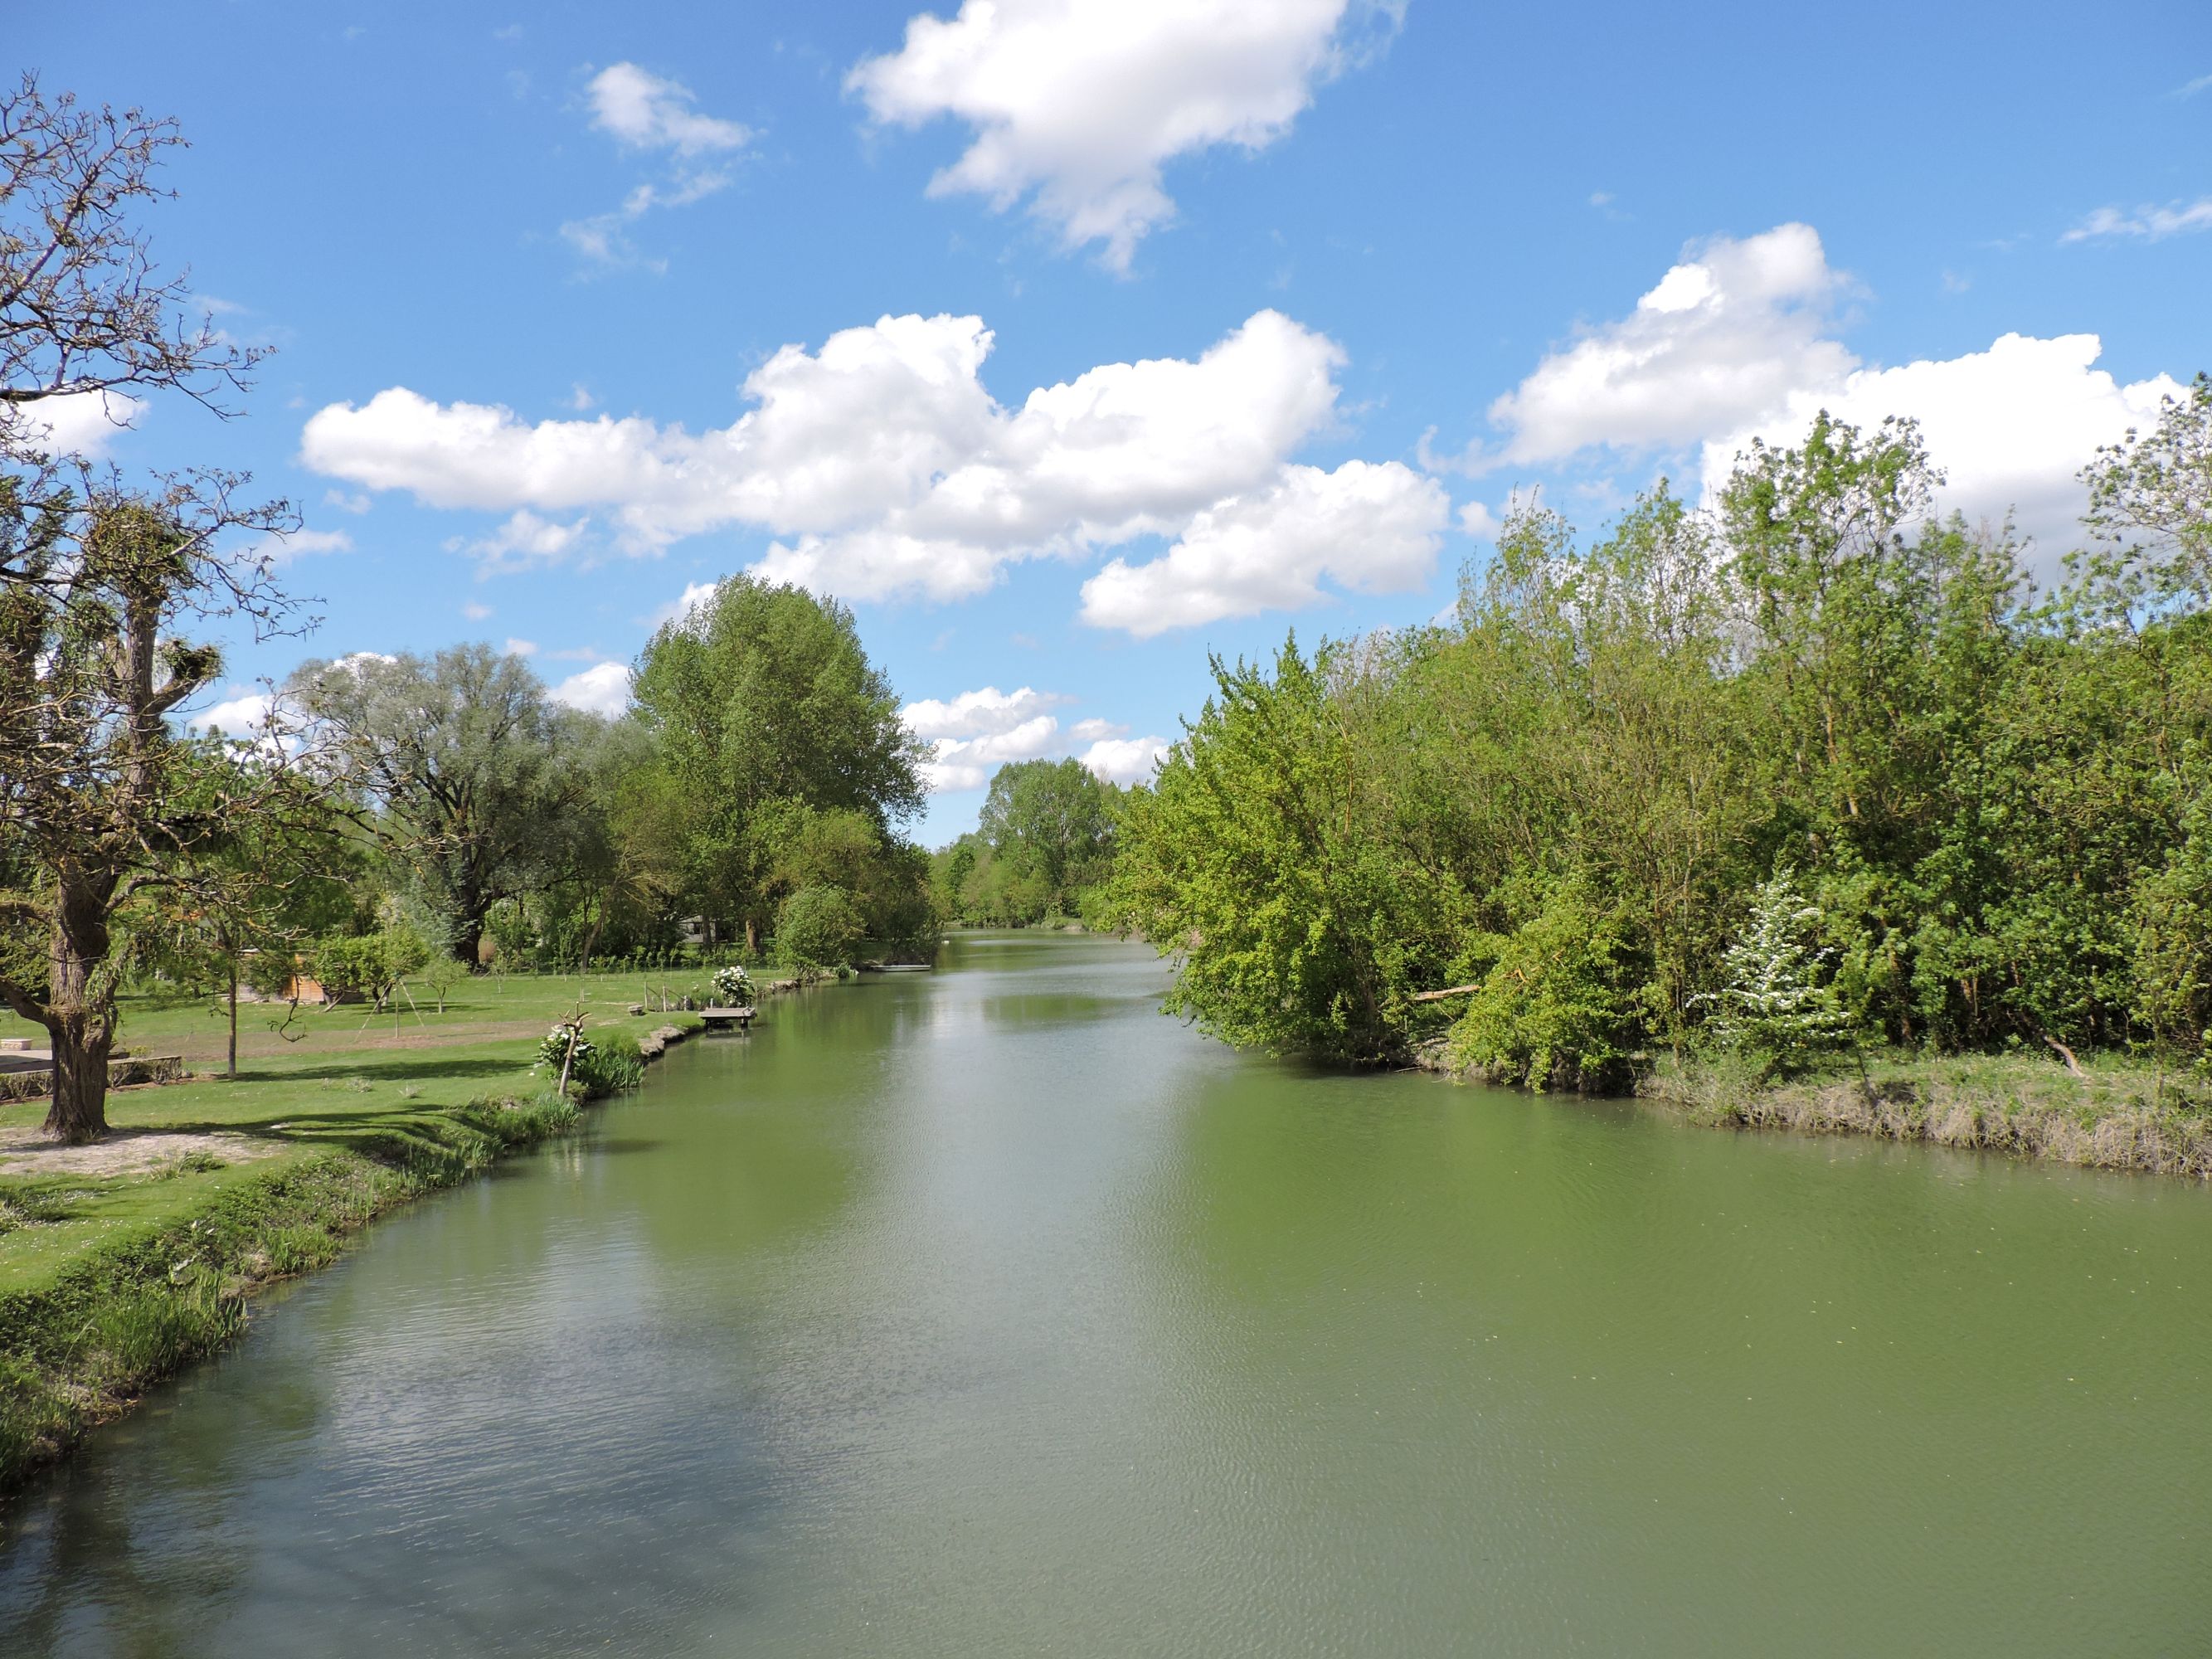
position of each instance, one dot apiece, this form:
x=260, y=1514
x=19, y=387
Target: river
x=988, y=1312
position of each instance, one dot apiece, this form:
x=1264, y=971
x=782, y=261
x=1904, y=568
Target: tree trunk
x=468, y=942
x=80, y=1016
x=78, y=1112
x=233, y=1016
x=752, y=937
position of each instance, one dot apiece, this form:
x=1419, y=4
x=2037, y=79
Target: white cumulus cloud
x=1725, y=337
x=975, y=733
x=76, y=423
x=244, y=717
x=1125, y=760
x=1736, y=341
x=1372, y=527
x=882, y=467
x=602, y=689
x=1077, y=105
x=2011, y=427
x=987, y=712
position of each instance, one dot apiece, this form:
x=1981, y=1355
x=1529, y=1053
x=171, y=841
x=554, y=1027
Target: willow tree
x=477, y=784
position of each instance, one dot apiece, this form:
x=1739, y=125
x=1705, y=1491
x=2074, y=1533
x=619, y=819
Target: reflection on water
x=988, y=1312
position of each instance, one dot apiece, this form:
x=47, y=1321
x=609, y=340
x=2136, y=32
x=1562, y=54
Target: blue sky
x=578, y=308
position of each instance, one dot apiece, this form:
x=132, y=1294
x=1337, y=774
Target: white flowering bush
x=1778, y=1002
x=733, y=986
x=554, y=1049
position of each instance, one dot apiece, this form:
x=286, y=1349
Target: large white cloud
x=987, y=712
x=1082, y=101
x=1374, y=528
x=1737, y=342
x=1125, y=760
x=975, y=733
x=1725, y=337
x=2011, y=427
x=883, y=467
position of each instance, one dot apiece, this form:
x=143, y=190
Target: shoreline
x=129, y=1312
x=2116, y=1114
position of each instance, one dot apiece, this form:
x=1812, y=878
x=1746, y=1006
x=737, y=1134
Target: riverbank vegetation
x=1797, y=787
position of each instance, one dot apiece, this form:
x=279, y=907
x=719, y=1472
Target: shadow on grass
x=428, y=1065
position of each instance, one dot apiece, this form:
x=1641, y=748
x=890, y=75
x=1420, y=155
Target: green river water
x=987, y=1312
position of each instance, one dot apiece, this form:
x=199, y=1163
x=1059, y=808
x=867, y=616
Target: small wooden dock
x=726, y=1019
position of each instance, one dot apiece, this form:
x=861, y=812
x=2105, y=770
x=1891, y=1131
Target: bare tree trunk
x=467, y=942
x=233, y=1016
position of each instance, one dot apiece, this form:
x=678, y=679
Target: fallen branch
x=1438, y=996
x=2066, y=1054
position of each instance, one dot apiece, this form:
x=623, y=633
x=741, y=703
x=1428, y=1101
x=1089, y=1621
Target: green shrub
x=1556, y=1007
x=818, y=928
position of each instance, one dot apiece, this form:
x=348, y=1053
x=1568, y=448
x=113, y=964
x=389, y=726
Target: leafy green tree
x=765, y=706
x=370, y=965
x=475, y=784
x=1250, y=858
x=2150, y=512
x=101, y=584
x=103, y=806
x=1563, y=804
x=260, y=890
x=1556, y=1004
x=1051, y=821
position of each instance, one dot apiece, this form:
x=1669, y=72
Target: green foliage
x=784, y=762
x=1045, y=840
x=818, y=928
x=1253, y=857
x=473, y=776
x=1993, y=802
x=1556, y=1004
x=369, y=965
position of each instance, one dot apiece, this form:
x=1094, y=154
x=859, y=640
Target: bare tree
x=83, y=310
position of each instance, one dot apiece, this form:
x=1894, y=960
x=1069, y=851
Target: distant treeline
x=1808, y=771
x=1043, y=847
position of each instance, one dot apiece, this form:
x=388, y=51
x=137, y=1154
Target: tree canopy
x=1570, y=807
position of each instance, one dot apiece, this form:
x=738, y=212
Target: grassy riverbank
x=2118, y=1114
x=122, y=1261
